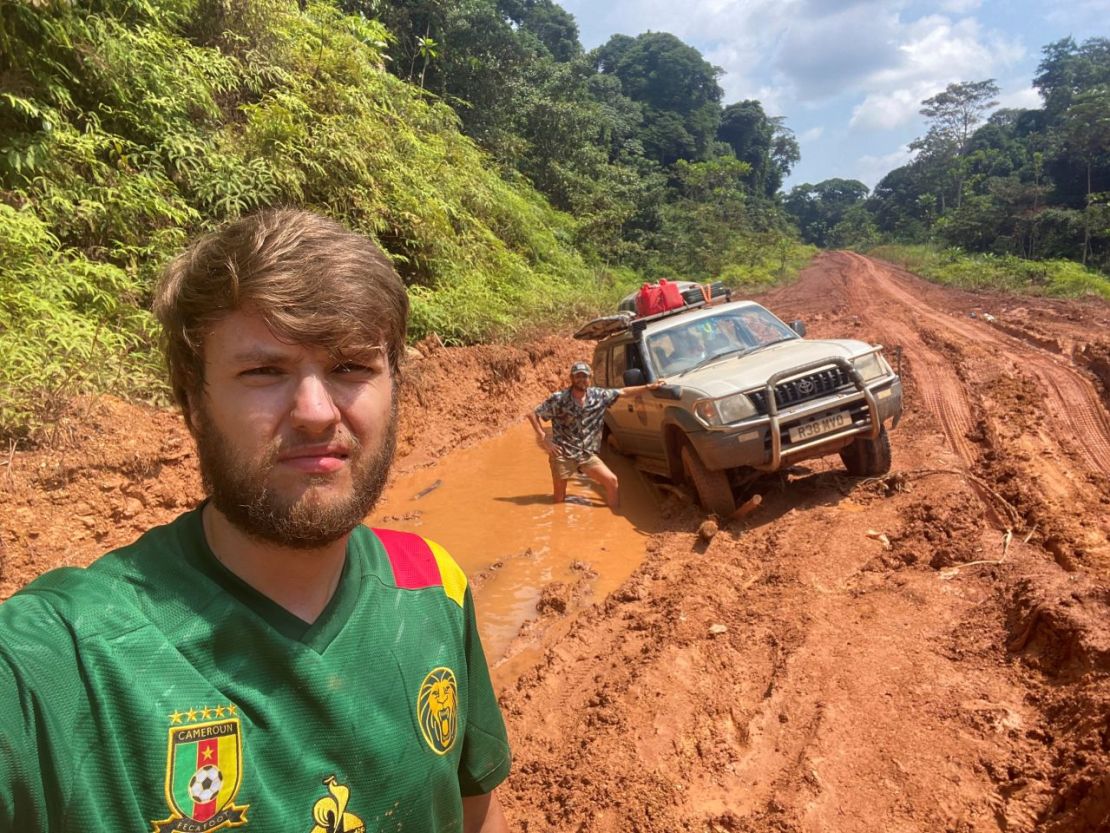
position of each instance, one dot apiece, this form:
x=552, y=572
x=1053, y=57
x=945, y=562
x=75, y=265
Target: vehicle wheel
x=609, y=440
x=714, y=491
x=866, y=457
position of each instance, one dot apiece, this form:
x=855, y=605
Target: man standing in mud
x=264, y=661
x=576, y=415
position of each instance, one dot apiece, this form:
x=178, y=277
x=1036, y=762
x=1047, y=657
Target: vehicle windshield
x=733, y=331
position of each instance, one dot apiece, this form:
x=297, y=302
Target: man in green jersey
x=265, y=661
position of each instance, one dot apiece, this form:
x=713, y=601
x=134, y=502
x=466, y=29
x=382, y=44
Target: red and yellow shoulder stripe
x=418, y=563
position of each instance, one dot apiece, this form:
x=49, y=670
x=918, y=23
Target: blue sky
x=849, y=75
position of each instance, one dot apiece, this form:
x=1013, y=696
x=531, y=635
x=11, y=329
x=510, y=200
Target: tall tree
x=677, y=87
x=553, y=26
x=1085, y=131
x=764, y=143
x=953, y=115
x=1067, y=69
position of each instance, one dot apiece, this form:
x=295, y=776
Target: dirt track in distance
x=925, y=652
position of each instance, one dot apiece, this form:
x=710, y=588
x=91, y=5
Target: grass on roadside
x=1000, y=273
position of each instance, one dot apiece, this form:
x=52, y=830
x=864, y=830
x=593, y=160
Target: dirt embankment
x=925, y=652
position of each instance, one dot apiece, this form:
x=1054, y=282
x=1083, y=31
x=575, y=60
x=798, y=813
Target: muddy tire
x=714, y=492
x=866, y=457
x=609, y=440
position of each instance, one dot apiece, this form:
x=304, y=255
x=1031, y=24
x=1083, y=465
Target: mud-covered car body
x=745, y=394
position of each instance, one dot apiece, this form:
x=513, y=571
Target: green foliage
x=68, y=325
x=856, y=229
x=677, y=88
x=1005, y=273
x=1026, y=183
x=163, y=138
x=763, y=143
x=768, y=262
x=819, y=209
x=127, y=127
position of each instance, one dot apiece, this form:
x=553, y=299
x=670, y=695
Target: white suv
x=745, y=394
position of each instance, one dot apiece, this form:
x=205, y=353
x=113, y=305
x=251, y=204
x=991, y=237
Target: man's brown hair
x=312, y=281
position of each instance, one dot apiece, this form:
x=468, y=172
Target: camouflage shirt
x=576, y=429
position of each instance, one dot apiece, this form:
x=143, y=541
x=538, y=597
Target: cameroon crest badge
x=437, y=707
x=204, y=766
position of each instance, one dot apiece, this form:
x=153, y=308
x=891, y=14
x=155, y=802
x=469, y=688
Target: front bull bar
x=774, y=420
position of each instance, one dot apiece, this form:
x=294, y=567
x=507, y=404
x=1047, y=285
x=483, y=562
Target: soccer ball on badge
x=205, y=784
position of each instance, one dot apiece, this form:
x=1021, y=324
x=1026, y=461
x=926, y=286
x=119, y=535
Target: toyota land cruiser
x=745, y=394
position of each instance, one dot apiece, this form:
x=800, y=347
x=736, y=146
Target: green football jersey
x=156, y=691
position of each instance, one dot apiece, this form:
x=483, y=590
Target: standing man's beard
x=238, y=488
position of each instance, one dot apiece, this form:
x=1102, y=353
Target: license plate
x=820, y=426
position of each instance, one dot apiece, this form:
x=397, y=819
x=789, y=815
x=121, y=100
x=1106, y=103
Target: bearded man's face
x=294, y=447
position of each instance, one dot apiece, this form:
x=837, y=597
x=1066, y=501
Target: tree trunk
x=1087, y=218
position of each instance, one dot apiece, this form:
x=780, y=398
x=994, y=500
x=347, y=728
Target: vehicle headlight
x=725, y=410
x=871, y=366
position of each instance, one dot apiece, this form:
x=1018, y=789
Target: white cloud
x=935, y=53
x=959, y=6
x=870, y=169
x=1026, y=98
x=811, y=135
x=889, y=110
x=1078, y=12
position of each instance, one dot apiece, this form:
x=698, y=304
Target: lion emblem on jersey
x=437, y=709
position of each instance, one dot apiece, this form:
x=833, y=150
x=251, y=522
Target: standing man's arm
x=482, y=814
x=636, y=390
x=541, y=436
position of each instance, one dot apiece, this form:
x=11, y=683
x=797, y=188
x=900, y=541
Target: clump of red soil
x=941, y=531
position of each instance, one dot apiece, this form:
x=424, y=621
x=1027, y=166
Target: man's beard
x=238, y=489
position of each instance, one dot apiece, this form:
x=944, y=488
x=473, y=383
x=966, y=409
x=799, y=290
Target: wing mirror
x=799, y=327
x=668, y=392
x=633, y=377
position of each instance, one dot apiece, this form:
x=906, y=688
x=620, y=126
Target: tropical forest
x=511, y=175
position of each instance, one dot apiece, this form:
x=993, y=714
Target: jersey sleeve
x=30, y=786
x=15, y=744
x=486, y=758
x=610, y=395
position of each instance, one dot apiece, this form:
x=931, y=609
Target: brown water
x=490, y=506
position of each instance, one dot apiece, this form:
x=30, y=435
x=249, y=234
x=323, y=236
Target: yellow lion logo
x=437, y=708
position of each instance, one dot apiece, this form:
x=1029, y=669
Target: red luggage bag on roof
x=672, y=295
x=655, y=298
x=649, y=300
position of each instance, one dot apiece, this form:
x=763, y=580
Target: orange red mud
x=928, y=651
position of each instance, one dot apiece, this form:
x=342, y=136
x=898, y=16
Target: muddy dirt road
x=925, y=652
x=801, y=673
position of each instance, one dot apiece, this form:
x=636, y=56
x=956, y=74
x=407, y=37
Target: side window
x=601, y=367
x=619, y=364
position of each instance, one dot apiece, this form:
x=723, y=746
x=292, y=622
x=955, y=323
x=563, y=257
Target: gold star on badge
x=191, y=714
x=206, y=712
x=208, y=754
x=220, y=711
x=176, y=717
x=231, y=709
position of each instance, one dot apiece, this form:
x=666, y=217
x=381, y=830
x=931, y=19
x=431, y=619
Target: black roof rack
x=608, y=325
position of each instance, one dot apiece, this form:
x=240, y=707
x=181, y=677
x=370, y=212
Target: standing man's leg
x=600, y=474
x=560, y=489
x=559, y=478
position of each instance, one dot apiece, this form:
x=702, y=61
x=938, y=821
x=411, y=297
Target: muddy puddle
x=490, y=506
